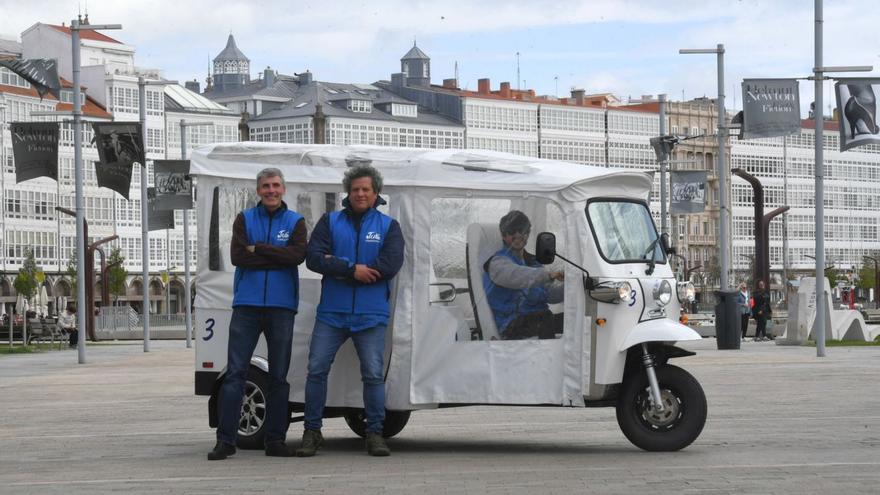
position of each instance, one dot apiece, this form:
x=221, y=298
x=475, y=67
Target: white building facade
x=110, y=83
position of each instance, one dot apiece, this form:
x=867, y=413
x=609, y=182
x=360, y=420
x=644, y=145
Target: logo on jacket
x=373, y=237
x=282, y=235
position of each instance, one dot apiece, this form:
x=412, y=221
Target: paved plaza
x=780, y=421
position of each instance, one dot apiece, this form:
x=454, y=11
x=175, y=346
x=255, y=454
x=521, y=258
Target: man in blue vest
x=358, y=250
x=518, y=288
x=268, y=243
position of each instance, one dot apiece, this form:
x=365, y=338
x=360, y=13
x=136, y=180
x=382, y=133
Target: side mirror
x=664, y=243
x=545, y=248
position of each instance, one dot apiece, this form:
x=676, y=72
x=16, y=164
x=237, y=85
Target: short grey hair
x=269, y=172
x=361, y=171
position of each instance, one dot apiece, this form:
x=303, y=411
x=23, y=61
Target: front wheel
x=677, y=425
x=395, y=421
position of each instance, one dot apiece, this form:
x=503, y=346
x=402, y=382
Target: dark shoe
x=311, y=442
x=221, y=451
x=279, y=449
x=376, y=445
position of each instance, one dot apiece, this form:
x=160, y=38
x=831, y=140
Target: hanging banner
x=35, y=149
x=688, y=191
x=771, y=107
x=157, y=219
x=120, y=144
x=42, y=73
x=857, y=107
x=173, y=186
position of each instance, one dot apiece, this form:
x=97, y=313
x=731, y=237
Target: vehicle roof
x=416, y=167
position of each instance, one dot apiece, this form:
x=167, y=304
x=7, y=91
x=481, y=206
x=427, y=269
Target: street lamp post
x=81, y=240
x=145, y=228
x=819, y=125
x=187, y=279
x=723, y=229
x=664, y=159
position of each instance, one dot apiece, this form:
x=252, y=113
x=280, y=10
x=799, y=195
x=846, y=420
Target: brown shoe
x=376, y=445
x=311, y=442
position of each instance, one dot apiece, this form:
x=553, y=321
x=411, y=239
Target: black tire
x=395, y=421
x=251, y=424
x=674, y=428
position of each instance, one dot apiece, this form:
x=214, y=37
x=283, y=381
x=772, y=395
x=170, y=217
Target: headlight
x=663, y=293
x=686, y=292
x=612, y=292
x=624, y=292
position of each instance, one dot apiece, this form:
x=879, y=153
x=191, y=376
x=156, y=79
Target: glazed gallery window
x=491, y=301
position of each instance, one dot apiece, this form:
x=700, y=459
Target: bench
x=872, y=316
x=37, y=331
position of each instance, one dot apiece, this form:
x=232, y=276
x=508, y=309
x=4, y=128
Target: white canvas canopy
x=426, y=365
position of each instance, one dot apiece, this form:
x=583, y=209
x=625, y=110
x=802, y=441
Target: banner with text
x=157, y=219
x=771, y=107
x=173, y=187
x=42, y=73
x=857, y=106
x=688, y=191
x=120, y=144
x=35, y=149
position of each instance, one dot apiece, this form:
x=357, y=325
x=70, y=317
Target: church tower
x=416, y=67
x=232, y=68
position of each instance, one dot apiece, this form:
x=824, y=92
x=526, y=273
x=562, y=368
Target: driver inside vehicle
x=518, y=288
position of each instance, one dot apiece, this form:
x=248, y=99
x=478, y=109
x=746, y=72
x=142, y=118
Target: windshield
x=624, y=231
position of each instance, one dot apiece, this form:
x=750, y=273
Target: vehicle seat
x=483, y=240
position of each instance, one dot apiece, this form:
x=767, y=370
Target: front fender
x=659, y=330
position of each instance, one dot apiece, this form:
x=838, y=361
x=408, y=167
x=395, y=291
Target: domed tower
x=416, y=67
x=231, y=68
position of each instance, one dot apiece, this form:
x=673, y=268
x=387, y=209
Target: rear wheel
x=395, y=421
x=677, y=425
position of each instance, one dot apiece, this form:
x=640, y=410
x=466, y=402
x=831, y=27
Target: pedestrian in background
x=761, y=311
x=67, y=324
x=745, y=309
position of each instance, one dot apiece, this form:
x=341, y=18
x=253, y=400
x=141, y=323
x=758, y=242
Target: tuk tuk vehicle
x=620, y=307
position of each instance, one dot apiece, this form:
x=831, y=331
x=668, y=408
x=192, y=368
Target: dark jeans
x=744, y=324
x=73, y=337
x=370, y=347
x=544, y=325
x=247, y=323
x=761, y=330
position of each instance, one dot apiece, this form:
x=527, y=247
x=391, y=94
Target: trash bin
x=727, y=320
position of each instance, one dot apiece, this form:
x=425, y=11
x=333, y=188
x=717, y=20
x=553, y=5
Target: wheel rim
x=253, y=410
x=653, y=419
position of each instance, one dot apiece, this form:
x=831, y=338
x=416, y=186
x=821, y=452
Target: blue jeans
x=244, y=331
x=370, y=347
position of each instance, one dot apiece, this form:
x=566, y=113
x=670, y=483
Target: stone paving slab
x=780, y=421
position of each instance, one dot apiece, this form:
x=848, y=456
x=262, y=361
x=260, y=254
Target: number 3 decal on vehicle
x=632, y=297
x=209, y=329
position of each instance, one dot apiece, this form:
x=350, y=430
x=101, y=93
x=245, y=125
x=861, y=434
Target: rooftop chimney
x=193, y=86
x=305, y=78
x=269, y=76
x=578, y=95
x=450, y=84
x=483, y=86
x=505, y=90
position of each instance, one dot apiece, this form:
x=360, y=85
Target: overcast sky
x=625, y=47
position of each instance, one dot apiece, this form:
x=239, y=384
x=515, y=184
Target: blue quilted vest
x=506, y=303
x=357, y=247
x=261, y=287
